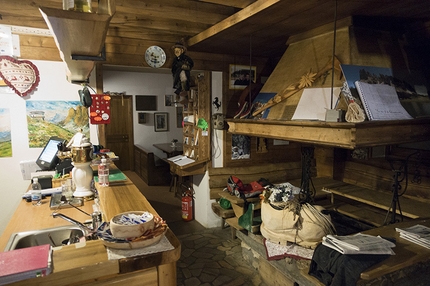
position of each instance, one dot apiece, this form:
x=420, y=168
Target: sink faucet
x=90, y=233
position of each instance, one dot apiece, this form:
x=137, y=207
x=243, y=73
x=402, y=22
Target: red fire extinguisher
x=187, y=205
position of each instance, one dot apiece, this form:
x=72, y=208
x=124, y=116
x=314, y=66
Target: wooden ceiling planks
x=218, y=26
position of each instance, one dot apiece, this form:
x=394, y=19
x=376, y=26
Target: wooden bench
x=153, y=170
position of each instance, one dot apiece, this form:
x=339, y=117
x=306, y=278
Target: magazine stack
x=418, y=234
x=359, y=244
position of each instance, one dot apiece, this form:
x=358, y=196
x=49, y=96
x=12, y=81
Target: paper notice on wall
x=6, y=43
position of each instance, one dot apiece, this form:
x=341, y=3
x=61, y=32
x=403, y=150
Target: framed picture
x=161, y=122
x=240, y=76
x=142, y=117
x=179, y=116
x=146, y=102
x=169, y=100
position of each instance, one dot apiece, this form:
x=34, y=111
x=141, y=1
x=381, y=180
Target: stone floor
x=209, y=256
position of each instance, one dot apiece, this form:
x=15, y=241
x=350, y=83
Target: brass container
x=82, y=154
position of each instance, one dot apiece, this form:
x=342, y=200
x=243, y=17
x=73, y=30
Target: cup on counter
x=67, y=189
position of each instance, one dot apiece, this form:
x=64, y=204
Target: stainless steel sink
x=56, y=236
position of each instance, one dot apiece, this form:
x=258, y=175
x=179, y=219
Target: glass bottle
x=103, y=172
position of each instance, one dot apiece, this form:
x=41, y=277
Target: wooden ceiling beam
x=229, y=22
x=232, y=3
x=192, y=11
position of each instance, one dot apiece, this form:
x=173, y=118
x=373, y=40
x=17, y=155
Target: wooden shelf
x=195, y=168
x=336, y=134
x=80, y=34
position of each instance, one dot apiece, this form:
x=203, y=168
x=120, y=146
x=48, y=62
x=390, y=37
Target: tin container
x=82, y=154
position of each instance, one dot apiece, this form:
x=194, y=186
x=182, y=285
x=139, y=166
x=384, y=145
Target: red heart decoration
x=21, y=76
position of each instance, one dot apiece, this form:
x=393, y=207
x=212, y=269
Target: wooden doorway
x=118, y=135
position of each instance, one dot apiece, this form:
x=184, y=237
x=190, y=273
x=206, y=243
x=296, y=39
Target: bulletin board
x=100, y=109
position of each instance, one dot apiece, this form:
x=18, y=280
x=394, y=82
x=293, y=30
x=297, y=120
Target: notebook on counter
x=25, y=263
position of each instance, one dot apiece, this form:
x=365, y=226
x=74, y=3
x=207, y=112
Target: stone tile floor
x=209, y=255
x=212, y=257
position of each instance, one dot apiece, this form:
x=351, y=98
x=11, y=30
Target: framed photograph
x=240, y=76
x=142, y=117
x=179, y=116
x=146, y=102
x=161, y=122
x=169, y=100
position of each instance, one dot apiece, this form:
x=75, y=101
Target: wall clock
x=155, y=56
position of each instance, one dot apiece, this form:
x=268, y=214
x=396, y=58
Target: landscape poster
x=5, y=133
x=55, y=118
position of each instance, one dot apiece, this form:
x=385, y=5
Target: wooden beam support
x=231, y=3
x=240, y=16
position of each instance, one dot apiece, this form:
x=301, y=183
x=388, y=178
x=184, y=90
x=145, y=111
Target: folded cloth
x=276, y=251
x=336, y=269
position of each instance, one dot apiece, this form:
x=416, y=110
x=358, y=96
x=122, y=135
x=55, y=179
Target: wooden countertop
x=90, y=261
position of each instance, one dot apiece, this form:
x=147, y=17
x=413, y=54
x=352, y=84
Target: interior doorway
x=118, y=135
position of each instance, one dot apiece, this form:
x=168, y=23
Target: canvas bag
x=304, y=225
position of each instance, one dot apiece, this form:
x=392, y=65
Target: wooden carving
x=305, y=81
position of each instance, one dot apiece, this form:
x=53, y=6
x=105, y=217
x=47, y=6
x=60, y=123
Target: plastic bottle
x=103, y=172
x=36, y=192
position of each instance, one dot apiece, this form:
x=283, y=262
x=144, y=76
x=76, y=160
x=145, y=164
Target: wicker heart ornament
x=20, y=75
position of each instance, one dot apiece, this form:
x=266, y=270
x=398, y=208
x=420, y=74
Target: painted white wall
x=52, y=86
x=146, y=83
x=203, y=204
x=217, y=135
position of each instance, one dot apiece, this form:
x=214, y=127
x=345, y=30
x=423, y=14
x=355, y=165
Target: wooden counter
x=86, y=263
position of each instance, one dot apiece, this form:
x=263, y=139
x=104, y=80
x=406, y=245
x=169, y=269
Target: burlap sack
x=303, y=224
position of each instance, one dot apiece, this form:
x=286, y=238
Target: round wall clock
x=155, y=56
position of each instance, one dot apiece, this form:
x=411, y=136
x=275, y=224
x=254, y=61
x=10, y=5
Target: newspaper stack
x=418, y=234
x=359, y=244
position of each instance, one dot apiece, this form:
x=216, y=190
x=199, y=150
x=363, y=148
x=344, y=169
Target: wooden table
x=169, y=150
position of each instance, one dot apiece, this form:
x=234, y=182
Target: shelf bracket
x=101, y=57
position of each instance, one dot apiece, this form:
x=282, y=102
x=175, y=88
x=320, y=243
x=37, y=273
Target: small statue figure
x=181, y=67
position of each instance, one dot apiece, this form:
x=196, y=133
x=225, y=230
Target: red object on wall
x=100, y=109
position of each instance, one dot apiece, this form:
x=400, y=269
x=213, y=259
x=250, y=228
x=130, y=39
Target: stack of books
x=418, y=234
x=359, y=244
